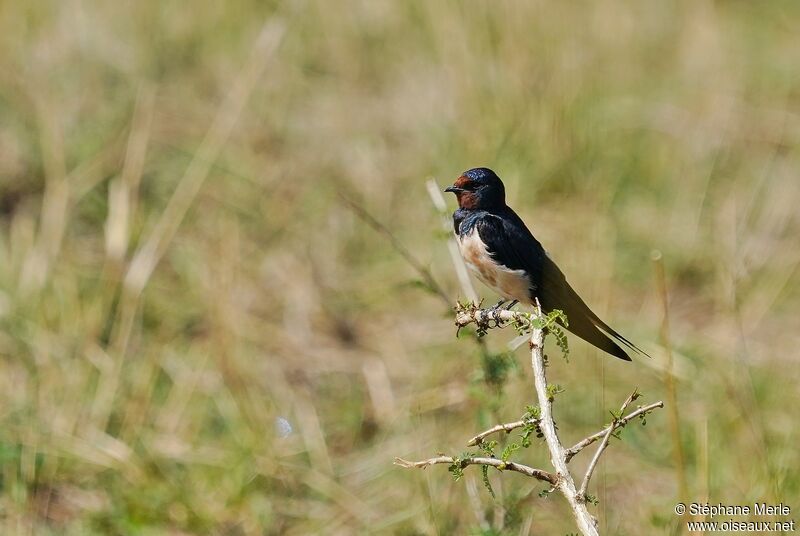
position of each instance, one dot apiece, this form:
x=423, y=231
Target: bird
x=503, y=253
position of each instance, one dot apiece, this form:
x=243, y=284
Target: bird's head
x=479, y=188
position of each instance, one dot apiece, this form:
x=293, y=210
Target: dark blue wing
x=510, y=243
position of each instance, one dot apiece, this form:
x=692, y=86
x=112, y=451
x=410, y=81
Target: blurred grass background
x=178, y=270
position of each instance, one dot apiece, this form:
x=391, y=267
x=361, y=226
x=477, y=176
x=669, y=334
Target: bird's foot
x=493, y=313
x=511, y=305
x=496, y=309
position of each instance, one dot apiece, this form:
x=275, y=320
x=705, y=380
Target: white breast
x=509, y=284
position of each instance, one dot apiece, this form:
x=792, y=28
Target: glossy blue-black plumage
x=508, y=241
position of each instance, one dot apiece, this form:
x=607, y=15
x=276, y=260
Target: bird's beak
x=454, y=189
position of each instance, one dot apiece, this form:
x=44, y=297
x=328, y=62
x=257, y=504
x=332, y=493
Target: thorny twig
x=479, y=460
x=507, y=427
x=604, y=443
x=619, y=423
x=562, y=479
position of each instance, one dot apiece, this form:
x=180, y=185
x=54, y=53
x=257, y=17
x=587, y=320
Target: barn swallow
x=501, y=251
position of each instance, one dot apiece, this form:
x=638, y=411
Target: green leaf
x=488, y=448
x=486, y=483
x=456, y=469
x=510, y=448
x=553, y=390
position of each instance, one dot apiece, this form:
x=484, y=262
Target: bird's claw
x=496, y=307
x=492, y=314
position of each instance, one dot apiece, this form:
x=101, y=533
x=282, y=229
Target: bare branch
x=583, y=443
x=507, y=427
x=565, y=484
x=603, y=444
x=538, y=474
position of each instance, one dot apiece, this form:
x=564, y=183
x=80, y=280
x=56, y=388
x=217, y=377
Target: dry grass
x=178, y=269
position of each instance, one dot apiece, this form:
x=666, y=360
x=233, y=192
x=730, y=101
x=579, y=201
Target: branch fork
x=560, y=480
